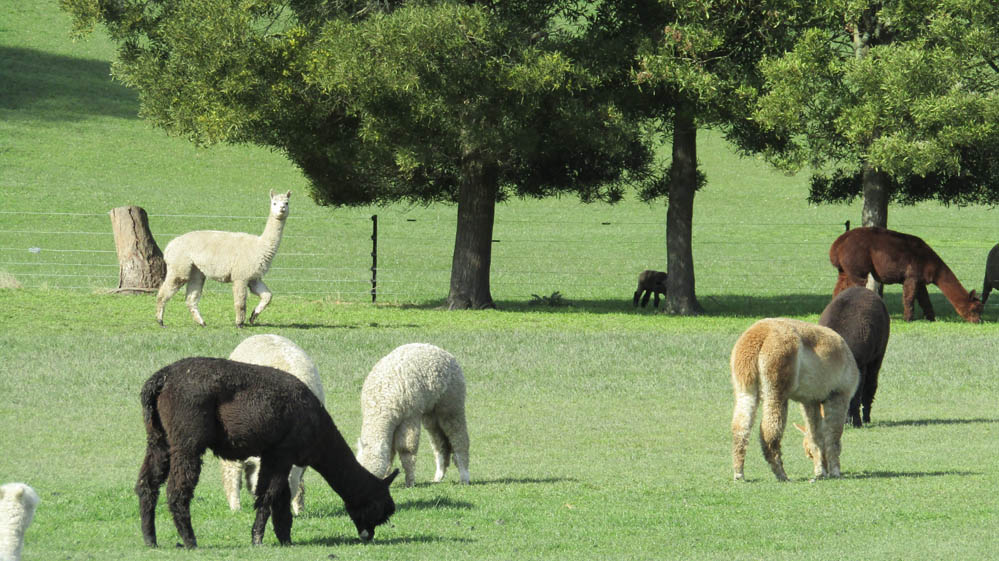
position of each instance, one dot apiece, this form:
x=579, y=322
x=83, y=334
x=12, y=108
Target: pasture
x=597, y=431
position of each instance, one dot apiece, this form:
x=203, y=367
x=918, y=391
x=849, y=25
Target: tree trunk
x=680, y=297
x=473, y=240
x=875, y=211
x=141, y=265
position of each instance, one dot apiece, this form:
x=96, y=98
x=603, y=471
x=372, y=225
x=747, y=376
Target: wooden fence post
x=374, y=257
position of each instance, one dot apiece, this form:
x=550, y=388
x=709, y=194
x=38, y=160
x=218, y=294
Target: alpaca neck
x=270, y=239
x=272, y=231
x=952, y=289
x=11, y=540
x=335, y=462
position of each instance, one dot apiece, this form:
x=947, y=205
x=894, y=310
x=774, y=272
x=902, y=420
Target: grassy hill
x=598, y=431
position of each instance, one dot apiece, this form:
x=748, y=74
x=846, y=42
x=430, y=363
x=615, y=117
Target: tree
x=380, y=101
x=692, y=65
x=892, y=100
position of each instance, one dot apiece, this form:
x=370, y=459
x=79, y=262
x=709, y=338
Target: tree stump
x=141, y=264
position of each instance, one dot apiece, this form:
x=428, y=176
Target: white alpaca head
x=279, y=204
x=17, y=508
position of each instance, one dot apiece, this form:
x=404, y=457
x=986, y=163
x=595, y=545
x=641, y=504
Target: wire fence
x=595, y=259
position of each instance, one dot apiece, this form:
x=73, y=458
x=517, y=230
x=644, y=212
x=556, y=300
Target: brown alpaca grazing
x=861, y=318
x=893, y=257
x=240, y=410
x=777, y=360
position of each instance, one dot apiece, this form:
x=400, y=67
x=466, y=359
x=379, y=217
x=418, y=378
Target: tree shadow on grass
x=906, y=474
x=35, y=85
x=345, y=541
x=928, y=422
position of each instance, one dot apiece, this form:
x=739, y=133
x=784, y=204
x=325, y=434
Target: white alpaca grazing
x=242, y=259
x=281, y=353
x=779, y=359
x=412, y=383
x=17, y=508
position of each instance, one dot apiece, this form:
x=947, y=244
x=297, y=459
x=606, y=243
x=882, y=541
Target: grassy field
x=598, y=431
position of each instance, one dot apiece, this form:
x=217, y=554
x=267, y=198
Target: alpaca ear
x=288, y=194
x=388, y=480
x=801, y=428
x=272, y=193
x=972, y=295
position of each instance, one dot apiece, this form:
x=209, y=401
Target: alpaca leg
x=634, y=301
x=655, y=303
x=456, y=430
x=258, y=287
x=251, y=468
x=195, y=284
x=923, y=298
x=842, y=283
x=273, y=501
x=152, y=475
x=185, y=468
x=645, y=298
x=908, y=296
x=815, y=443
x=296, y=485
x=440, y=443
x=171, y=284
x=239, y=301
x=774, y=419
x=832, y=431
x=406, y=442
x=870, y=387
x=742, y=425
x=232, y=481
x=854, y=412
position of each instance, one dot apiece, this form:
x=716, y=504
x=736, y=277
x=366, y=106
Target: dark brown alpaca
x=860, y=317
x=649, y=283
x=892, y=258
x=240, y=410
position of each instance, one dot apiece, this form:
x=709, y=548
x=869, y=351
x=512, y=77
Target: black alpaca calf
x=240, y=410
x=991, y=273
x=861, y=318
x=649, y=283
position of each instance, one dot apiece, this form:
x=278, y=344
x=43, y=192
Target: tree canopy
x=380, y=101
x=897, y=92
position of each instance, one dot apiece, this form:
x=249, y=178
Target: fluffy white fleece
x=281, y=353
x=236, y=257
x=17, y=508
x=415, y=382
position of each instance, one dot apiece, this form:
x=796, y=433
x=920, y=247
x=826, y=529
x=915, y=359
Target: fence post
x=374, y=257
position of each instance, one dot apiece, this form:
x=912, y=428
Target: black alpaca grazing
x=860, y=317
x=649, y=283
x=240, y=410
x=991, y=273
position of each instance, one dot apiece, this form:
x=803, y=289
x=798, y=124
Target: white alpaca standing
x=281, y=353
x=412, y=383
x=242, y=259
x=17, y=508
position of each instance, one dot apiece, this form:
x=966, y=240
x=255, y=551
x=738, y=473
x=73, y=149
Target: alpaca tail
x=150, y=413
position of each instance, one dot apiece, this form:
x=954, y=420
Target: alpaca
x=17, y=508
x=861, y=318
x=413, y=382
x=991, y=273
x=240, y=410
x=893, y=257
x=242, y=259
x=778, y=359
x=649, y=283
x=281, y=353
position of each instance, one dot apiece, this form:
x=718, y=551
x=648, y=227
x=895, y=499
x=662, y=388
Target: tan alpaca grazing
x=778, y=359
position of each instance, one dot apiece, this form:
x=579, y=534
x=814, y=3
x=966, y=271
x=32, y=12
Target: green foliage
x=376, y=102
x=906, y=88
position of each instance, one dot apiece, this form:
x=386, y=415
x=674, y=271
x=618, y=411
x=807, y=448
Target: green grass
x=598, y=432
